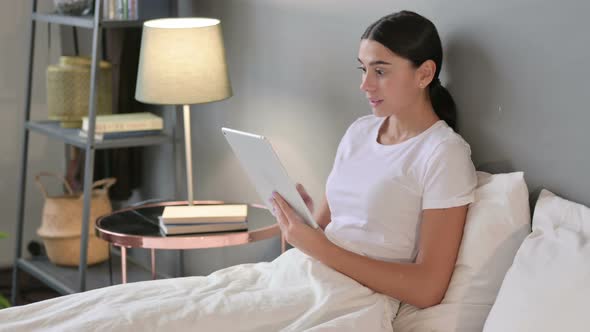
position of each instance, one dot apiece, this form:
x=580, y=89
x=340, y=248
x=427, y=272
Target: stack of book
x=124, y=125
x=204, y=219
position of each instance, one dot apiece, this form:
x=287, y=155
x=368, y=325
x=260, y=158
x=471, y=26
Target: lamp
x=182, y=62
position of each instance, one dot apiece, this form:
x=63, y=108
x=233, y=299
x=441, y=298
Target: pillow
x=548, y=286
x=497, y=222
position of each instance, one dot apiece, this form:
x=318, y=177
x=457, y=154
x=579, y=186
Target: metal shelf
x=70, y=280
x=121, y=23
x=86, y=21
x=72, y=136
x=65, y=280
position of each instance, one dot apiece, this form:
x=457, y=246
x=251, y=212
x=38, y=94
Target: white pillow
x=548, y=286
x=497, y=222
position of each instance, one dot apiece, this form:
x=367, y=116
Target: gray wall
x=43, y=154
x=518, y=71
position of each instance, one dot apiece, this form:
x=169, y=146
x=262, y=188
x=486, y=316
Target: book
x=175, y=229
x=216, y=213
x=120, y=134
x=125, y=122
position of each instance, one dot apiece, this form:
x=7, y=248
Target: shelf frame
x=43, y=270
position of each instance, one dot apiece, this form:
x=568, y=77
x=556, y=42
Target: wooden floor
x=31, y=289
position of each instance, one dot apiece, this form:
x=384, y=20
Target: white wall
x=43, y=154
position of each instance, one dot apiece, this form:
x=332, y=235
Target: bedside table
x=137, y=227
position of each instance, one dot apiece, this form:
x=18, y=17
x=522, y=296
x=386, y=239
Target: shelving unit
x=62, y=279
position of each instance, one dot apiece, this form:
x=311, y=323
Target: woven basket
x=68, y=90
x=61, y=223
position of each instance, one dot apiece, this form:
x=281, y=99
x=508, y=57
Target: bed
x=502, y=267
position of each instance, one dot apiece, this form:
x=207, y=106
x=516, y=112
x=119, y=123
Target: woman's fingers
x=273, y=209
x=302, y=191
x=306, y=198
x=280, y=215
x=285, y=208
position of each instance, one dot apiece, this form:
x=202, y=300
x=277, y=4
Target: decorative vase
x=68, y=90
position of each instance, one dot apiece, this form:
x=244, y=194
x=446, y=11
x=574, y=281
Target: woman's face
x=389, y=81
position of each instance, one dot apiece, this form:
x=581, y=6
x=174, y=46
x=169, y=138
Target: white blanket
x=292, y=293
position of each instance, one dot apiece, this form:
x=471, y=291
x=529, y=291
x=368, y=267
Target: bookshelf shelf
x=53, y=130
x=86, y=21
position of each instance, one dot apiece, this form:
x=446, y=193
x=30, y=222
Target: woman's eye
x=379, y=72
x=362, y=68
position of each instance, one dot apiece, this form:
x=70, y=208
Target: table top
x=137, y=227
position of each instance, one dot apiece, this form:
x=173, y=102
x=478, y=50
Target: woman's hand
x=306, y=198
x=295, y=230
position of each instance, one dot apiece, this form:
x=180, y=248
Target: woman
x=392, y=222
x=396, y=199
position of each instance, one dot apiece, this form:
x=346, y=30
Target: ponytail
x=443, y=103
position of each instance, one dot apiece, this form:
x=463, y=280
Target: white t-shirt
x=376, y=193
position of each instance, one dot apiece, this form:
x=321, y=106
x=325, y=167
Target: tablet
x=265, y=170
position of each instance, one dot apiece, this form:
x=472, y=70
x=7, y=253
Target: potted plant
x=4, y=303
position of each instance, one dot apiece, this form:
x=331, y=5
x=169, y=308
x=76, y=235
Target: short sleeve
x=338, y=157
x=450, y=177
x=343, y=146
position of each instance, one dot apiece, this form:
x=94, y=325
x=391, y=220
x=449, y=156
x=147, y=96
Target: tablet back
x=265, y=170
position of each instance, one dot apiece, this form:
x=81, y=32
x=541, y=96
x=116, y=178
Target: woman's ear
x=425, y=73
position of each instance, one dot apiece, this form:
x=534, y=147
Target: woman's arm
x=422, y=284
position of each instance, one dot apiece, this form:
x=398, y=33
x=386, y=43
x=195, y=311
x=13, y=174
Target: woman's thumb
x=301, y=189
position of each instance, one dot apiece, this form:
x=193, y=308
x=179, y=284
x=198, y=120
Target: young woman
x=397, y=196
x=391, y=224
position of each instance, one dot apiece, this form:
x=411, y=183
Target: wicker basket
x=68, y=90
x=62, y=223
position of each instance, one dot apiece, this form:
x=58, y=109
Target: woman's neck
x=409, y=123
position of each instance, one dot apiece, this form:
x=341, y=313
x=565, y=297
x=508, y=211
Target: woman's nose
x=367, y=83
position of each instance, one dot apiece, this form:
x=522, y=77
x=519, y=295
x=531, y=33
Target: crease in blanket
x=294, y=292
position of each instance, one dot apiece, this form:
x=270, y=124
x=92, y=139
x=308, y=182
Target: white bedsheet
x=292, y=293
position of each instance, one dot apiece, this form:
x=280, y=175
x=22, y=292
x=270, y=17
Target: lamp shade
x=182, y=61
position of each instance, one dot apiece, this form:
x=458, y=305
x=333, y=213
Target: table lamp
x=182, y=62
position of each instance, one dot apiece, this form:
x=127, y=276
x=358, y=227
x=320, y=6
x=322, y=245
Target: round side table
x=137, y=227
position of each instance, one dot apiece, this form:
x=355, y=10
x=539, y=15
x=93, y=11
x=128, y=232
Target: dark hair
x=415, y=38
